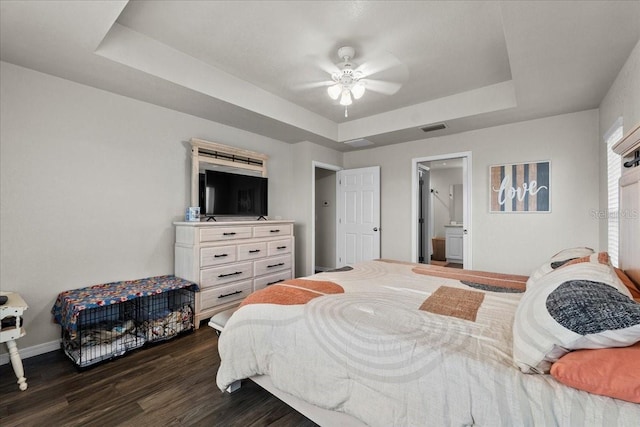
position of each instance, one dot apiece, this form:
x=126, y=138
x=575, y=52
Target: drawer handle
x=275, y=265
x=273, y=283
x=254, y=251
x=232, y=293
x=229, y=234
x=220, y=256
x=274, y=231
x=230, y=274
x=281, y=247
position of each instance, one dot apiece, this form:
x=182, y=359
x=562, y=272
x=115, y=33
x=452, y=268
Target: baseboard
x=35, y=350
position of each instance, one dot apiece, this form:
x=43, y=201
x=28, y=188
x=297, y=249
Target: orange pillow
x=635, y=293
x=609, y=372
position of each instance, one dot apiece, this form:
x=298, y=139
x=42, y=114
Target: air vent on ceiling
x=435, y=126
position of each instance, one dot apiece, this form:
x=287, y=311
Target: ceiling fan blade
x=324, y=64
x=383, y=65
x=382, y=86
x=312, y=85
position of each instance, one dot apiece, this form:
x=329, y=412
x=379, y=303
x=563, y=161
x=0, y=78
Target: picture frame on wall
x=520, y=187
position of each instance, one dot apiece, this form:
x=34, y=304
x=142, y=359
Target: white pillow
x=558, y=260
x=582, y=305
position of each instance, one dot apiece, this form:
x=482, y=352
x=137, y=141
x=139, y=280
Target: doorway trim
x=315, y=164
x=466, y=200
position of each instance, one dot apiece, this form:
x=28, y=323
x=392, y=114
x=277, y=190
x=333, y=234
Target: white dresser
x=229, y=260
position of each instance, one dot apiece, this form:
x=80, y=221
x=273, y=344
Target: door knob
x=375, y=228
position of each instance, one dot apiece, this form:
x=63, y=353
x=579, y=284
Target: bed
x=387, y=343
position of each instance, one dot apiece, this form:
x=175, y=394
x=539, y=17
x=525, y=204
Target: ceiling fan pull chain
x=346, y=113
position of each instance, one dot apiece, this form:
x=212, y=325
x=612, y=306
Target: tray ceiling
x=252, y=65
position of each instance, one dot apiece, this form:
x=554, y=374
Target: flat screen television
x=230, y=194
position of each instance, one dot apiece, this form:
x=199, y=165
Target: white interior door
x=358, y=212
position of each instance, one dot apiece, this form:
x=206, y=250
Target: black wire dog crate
x=163, y=316
x=118, y=324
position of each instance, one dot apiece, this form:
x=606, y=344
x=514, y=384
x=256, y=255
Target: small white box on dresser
x=229, y=260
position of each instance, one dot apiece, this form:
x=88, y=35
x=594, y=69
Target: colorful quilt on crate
x=70, y=303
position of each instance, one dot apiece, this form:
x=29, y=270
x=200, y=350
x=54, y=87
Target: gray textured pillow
x=582, y=305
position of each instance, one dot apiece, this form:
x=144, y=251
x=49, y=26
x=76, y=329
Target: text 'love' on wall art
x=520, y=188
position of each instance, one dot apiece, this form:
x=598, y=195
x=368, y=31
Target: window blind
x=614, y=171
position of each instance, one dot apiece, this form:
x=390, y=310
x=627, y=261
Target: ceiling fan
x=350, y=81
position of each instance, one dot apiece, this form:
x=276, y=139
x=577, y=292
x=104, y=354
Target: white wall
x=515, y=243
x=90, y=183
x=622, y=100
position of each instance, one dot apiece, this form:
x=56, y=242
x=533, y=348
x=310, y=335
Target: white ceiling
x=259, y=65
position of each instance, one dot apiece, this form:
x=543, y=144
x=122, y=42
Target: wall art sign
x=520, y=187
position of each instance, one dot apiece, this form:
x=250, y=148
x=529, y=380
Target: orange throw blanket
x=294, y=291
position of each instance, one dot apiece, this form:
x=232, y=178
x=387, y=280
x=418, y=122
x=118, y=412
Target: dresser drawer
x=272, y=230
x=217, y=255
x=279, y=247
x=229, y=273
x=252, y=251
x=271, y=279
x=212, y=297
x=271, y=265
x=216, y=234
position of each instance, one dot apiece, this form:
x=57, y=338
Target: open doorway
x=425, y=215
x=441, y=213
x=324, y=210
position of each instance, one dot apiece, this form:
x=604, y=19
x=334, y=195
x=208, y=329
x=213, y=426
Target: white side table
x=14, y=307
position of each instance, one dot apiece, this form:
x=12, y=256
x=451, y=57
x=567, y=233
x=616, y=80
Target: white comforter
x=370, y=352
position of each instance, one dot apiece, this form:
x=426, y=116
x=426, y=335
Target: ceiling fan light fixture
x=358, y=90
x=345, y=99
x=347, y=85
x=334, y=91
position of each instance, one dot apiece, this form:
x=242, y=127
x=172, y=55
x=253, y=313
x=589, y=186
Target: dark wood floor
x=172, y=383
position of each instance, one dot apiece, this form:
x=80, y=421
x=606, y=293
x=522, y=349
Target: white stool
x=14, y=307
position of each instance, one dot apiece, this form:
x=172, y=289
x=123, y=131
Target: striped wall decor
x=520, y=187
